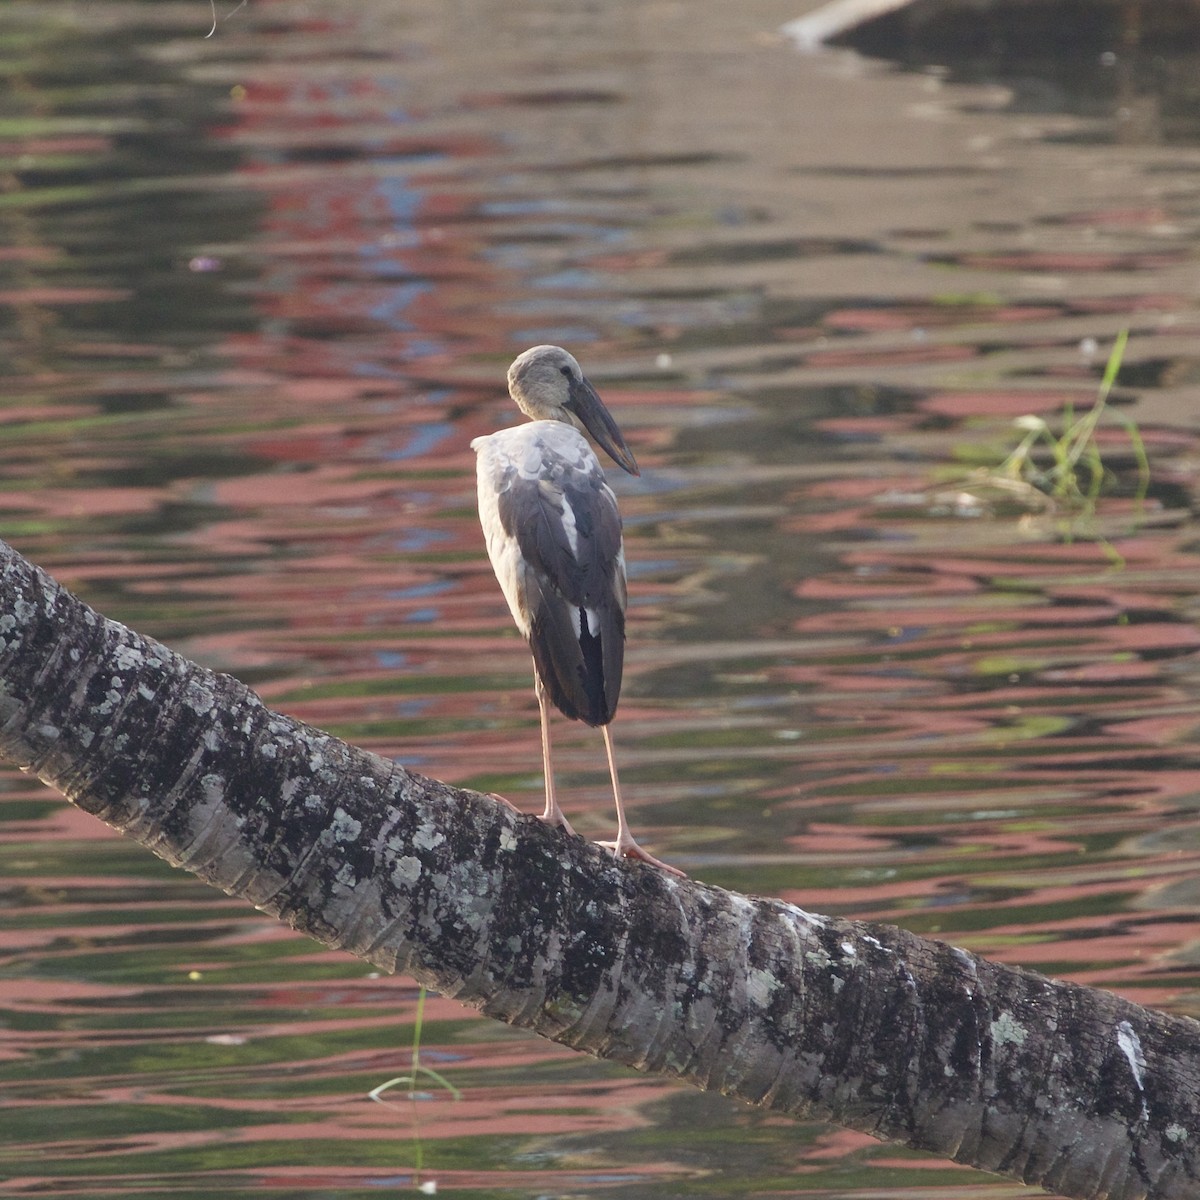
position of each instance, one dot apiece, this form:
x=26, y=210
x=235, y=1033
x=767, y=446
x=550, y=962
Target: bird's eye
x=566, y=371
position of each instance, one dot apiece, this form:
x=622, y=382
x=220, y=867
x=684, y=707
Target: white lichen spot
x=818, y=958
x=1005, y=1030
x=8, y=623
x=1131, y=1046
x=198, y=698
x=268, y=750
x=213, y=786
x=472, y=920
x=968, y=962
x=344, y=827
x=146, y=693
x=838, y=983
x=87, y=737
x=24, y=611
x=127, y=657
x=427, y=838
x=508, y=840
x=848, y=950
x=50, y=732
x=406, y=871
x=814, y=919
x=1176, y=1133
x=759, y=987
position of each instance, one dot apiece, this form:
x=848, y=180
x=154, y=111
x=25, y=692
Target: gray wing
x=565, y=521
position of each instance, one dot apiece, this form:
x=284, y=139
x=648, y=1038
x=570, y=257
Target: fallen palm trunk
x=867, y=1026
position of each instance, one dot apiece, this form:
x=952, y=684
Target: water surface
x=259, y=292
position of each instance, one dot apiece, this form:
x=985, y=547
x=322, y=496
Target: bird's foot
x=505, y=801
x=628, y=848
x=554, y=816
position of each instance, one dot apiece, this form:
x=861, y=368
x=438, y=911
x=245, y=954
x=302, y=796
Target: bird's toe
x=503, y=800
x=556, y=818
x=630, y=849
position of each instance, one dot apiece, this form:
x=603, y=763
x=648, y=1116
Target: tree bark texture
x=866, y=1026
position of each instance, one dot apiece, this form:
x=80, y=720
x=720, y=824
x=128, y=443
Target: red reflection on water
x=983, y=738
x=1024, y=709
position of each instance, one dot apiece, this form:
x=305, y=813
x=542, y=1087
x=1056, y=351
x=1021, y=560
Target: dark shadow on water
x=1131, y=64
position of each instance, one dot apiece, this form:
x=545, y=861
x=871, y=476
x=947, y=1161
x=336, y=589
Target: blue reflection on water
x=419, y=539
x=422, y=439
x=431, y=587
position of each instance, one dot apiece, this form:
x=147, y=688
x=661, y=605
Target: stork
x=553, y=535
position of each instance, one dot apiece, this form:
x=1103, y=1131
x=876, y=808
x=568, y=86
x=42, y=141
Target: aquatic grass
x=416, y=1070
x=1059, y=471
x=1075, y=474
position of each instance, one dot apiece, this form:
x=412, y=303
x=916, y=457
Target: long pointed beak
x=586, y=404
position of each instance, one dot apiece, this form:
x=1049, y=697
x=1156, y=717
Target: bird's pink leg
x=553, y=815
x=625, y=846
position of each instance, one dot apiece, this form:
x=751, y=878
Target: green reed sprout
x=416, y=1069
x=1075, y=472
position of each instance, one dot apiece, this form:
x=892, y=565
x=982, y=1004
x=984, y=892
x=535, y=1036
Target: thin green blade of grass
x=416, y=1068
x=1080, y=434
x=1067, y=469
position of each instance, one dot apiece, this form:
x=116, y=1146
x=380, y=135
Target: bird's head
x=547, y=384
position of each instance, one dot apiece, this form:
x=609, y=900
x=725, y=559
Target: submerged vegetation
x=1067, y=466
x=1057, y=468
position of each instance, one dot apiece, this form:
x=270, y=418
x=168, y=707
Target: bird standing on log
x=553, y=535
